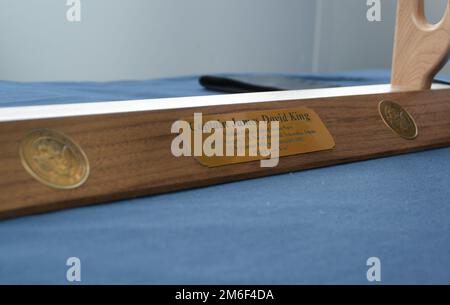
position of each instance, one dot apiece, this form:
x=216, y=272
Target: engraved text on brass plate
x=300, y=131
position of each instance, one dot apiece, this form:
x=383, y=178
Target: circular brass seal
x=54, y=159
x=398, y=119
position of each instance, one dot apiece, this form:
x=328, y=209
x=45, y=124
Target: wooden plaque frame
x=128, y=143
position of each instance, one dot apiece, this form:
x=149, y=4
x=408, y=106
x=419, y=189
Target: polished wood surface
x=420, y=48
x=130, y=155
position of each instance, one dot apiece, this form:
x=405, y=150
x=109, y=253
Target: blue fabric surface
x=315, y=226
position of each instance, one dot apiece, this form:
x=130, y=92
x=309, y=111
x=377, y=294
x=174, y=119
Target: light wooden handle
x=420, y=48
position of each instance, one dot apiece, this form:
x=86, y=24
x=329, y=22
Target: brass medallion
x=398, y=119
x=54, y=159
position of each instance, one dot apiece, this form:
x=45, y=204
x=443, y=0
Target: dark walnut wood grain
x=130, y=153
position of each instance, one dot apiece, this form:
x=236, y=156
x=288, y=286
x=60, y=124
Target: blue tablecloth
x=315, y=226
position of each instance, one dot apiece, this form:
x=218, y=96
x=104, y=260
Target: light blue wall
x=345, y=40
x=139, y=39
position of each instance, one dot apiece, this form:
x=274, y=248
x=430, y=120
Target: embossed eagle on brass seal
x=54, y=159
x=398, y=119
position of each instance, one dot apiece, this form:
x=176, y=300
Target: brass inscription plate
x=54, y=159
x=300, y=131
x=398, y=119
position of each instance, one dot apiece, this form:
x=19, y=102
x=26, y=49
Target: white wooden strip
x=81, y=109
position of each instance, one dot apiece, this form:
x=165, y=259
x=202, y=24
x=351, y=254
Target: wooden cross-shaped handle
x=420, y=48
